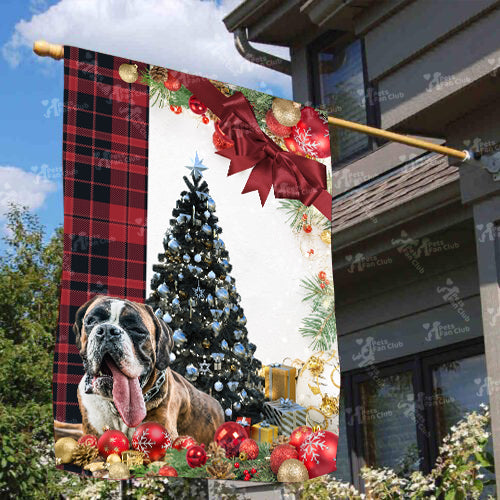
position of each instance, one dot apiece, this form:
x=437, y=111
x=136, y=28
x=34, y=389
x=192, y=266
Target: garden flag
x=197, y=332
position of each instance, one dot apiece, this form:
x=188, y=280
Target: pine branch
x=161, y=96
x=295, y=210
x=320, y=327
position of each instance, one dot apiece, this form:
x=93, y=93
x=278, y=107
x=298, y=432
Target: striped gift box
x=286, y=414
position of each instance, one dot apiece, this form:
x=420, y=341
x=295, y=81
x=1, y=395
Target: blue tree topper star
x=197, y=167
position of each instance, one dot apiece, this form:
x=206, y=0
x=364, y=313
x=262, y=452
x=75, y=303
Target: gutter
x=258, y=56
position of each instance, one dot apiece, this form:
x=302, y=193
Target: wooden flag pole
x=45, y=49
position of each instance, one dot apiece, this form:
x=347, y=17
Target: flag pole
x=56, y=51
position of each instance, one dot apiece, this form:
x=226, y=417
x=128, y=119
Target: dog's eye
x=90, y=321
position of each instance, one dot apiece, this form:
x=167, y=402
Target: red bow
x=291, y=176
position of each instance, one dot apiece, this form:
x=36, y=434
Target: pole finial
x=46, y=49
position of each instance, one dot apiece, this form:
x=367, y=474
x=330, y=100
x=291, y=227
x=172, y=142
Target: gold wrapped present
x=264, y=432
x=280, y=381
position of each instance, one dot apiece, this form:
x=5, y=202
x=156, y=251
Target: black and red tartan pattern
x=105, y=165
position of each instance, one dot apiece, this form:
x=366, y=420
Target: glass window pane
x=389, y=427
x=459, y=387
x=342, y=90
x=343, y=472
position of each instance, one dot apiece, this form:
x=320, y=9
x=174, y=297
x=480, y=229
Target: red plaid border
x=105, y=162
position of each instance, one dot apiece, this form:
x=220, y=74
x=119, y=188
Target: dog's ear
x=80, y=314
x=164, y=340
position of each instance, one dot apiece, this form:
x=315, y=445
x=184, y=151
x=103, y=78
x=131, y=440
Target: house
x=416, y=247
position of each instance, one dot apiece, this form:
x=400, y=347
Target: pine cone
x=278, y=441
x=222, y=87
x=84, y=454
x=215, y=451
x=158, y=74
x=220, y=469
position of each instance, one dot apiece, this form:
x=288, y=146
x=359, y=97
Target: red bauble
x=292, y=146
x=152, y=439
x=112, y=442
x=176, y=109
x=171, y=83
x=89, y=440
x=205, y=119
x=168, y=471
x=250, y=447
x=311, y=134
x=196, y=456
x=322, y=275
x=275, y=126
x=319, y=453
x=230, y=436
x=221, y=141
x=183, y=442
x=281, y=453
x=196, y=106
x=298, y=435
x=307, y=228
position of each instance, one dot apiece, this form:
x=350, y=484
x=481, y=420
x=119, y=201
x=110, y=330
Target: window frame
x=338, y=39
x=420, y=364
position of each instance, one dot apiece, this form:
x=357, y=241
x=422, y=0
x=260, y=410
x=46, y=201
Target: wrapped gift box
x=286, y=414
x=264, y=432
x=246, y=423
x=280, y=381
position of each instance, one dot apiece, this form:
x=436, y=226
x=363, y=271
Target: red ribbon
x=291, y=176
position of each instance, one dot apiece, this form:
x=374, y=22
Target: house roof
x=400, y=186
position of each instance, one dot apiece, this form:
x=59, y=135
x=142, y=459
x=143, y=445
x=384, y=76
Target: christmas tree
x=195, y=295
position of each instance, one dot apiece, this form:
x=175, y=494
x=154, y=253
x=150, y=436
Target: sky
x=186, y=35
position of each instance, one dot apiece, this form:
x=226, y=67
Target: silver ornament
x=227, y=311
x=222, y=294
x=179, y=337
x=158, y=313
x=237, y=406
x=167, y=318
x=239, y=349
x=242, y=320
x=228, y=412
x=224, y=345
x=183, y=219
x=216, y=313
x=243, y=394
x=176, y=303
x=206, y=229
x=174, y=245
x=185, y=198
x=218, y=386
x=172, y=357
x=197, y=258
x=180, y=276
x=228, y=279
x=233, y=385
x=211, y=275
x=210, y=299
x=162, y=290
x=186, y=258
x=188, y=237
x=238, y=334
x=216, y=326
x=191, y=372
x=211, y=205
x=206, y=214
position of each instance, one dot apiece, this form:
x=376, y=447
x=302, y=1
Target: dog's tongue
x=127, y=396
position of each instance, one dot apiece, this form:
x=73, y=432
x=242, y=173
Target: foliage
x=457, y=474
x=295, y=210
x=161, y=96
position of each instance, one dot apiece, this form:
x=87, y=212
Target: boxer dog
x=126, y=352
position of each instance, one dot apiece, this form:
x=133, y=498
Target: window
x=339, y=85
x=397, y=413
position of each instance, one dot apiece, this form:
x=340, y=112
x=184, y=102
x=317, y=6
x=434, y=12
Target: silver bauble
x=218, y=386
x=206, y=229
x=174, y=245
x=179, y=337
x=167, y=318
x=222, y=294
x=191, y=372
x=162, y=290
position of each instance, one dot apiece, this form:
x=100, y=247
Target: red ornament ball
x=246, y=478
x=292, y=146
x=112, y=442
x=311, y=134
x=322, y=275
x=275, y=126
x=171, y=83
x=152, y=439
x=196, y=456
x=168, y=471
x=205, y=119
x=250, y=447
x=229, y=436
x=176, y=109
x=318, y=452
x=89, y=440
x=322, y=285
x=253, y=471
x=221, y=141
x=183, y=442
x=298, y=436
x=307, y=228
x=237, y=465
x=281, y=453
x=196, y=106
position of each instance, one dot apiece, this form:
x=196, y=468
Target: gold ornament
x=133, y=458
x=113, y=459
x=329, y=406
x=64, y=449
x=84, y=454
x=286, y=112
x=220, y=469
x=279, y=440
x=95, y=466
x=243, y=456
x=119, y=470
x=206, y=343
x=158, y=74
x=128, y=72
x=326, y=237
x=315, y=365
x=292, y=471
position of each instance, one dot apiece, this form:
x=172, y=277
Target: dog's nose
x=107, y=330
